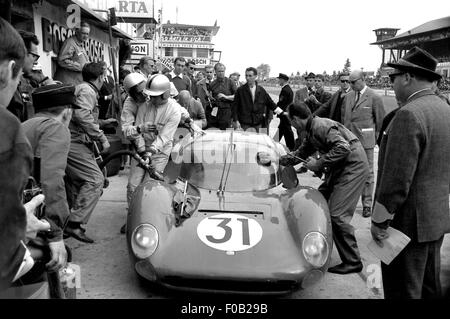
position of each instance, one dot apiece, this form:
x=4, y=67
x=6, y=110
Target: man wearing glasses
x=363, y=114
x=332, y=108
x=181, y=81
x=21, y=104
x=413, y=179
x=190, y=69
x=72, y=57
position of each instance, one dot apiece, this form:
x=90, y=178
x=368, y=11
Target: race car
x=226, y=221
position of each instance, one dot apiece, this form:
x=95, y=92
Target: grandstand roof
x=214, y=28
x=428, y=27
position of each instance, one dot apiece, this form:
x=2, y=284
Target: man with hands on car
x=345, y=165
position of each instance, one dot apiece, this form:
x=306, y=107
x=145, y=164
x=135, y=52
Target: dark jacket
x=248, y=112
x=15, y=168
x=50, y=141
x=364, y=118
x=330, y=108
x=286, y=97
x=413, y=170
x=330, y=138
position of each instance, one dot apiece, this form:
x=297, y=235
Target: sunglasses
x=354, y=81
x=392, y=76
x=344, y=81
x=192, y=68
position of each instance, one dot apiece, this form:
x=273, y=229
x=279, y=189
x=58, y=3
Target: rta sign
x=133, y=9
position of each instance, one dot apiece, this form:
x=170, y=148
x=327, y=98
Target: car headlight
x=144, y=241
x=315, y=249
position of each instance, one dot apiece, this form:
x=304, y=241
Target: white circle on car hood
x=229, y=232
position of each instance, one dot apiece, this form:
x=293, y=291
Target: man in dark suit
x=301, y=95
x=286, y=98
x=413, y=179
x=251, y=103
x=363, y=113
x=332, y=108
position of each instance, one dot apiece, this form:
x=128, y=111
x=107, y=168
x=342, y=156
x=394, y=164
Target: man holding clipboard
x=412, y=191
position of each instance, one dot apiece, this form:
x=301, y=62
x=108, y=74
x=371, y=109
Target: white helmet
x=133, y=79
x=157, y=85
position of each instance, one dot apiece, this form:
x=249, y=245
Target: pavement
x=106, y=271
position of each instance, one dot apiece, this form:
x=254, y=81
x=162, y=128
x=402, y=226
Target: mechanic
x=154, y=128
x=346, y=168
x=84, y=179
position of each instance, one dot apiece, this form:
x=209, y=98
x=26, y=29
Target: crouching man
x=346, y=168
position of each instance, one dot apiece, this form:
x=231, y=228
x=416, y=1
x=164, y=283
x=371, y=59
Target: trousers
x=84, y=182
x=367, y=194
x=342, y=189
x=414, y=273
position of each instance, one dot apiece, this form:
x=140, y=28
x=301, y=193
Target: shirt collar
x=173, y=75
x=363, y=90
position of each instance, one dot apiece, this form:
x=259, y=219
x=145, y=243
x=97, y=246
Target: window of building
x=202, y=53
x=168, y=52
x=185, y=52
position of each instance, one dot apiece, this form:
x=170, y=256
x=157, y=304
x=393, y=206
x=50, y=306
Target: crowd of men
x=52, y=138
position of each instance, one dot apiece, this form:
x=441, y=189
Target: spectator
x=181, y=81
x=222, y=91
x=15, y=159
x=147, y=66
x=284, y=101
x=413, y=180
x=301, y=95
x=332, y=108
x=314, y=101
x=363, y=115
x=235, y=78
x=251, y=104
x=194, y=107
x=84, y=178
x=72, y=57
x=204, y=90
x=190, y=70
x=21, y=104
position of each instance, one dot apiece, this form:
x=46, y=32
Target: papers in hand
x=392, y=245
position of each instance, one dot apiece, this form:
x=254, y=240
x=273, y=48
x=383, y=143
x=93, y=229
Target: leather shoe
x=78, y=234
x=343, y=269
x=366, y=212
x=123, y=229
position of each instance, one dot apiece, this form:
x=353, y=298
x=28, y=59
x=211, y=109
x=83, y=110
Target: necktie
x=357, y=97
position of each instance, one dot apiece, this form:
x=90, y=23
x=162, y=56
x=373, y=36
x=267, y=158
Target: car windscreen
x=205, y=164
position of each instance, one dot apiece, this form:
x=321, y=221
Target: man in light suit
x=413, y=179
x=363, y=113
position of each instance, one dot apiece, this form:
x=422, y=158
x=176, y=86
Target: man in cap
x=251, y=104
x=49, y=137
x=84, y=178
x=301, y=95
x=363, y=113
x=72, y=57
x=235, y=78
x=285, y=100
x=413, y=179
x=332, y=108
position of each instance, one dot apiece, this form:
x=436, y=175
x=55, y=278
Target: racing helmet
x=131, y=80
x=157, y=85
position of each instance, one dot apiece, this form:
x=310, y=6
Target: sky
x=296, y=35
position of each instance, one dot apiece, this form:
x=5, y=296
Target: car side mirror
x=289, y=178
